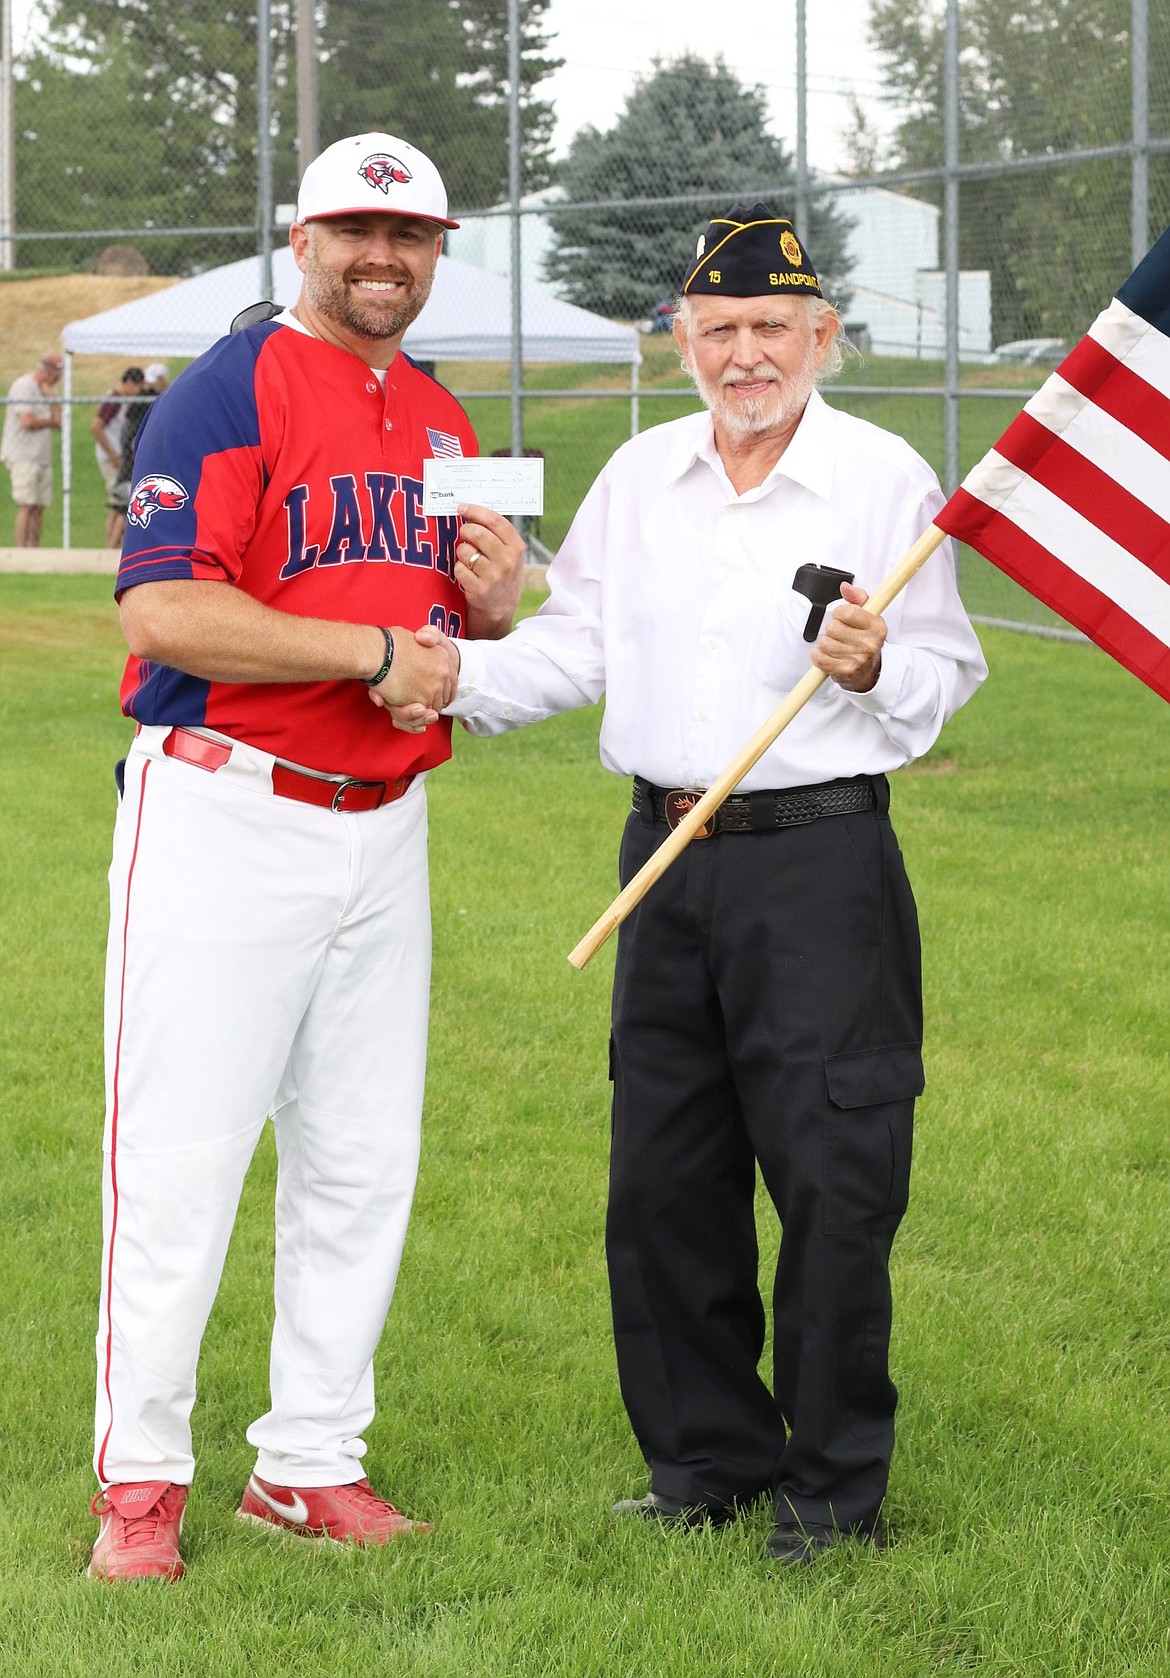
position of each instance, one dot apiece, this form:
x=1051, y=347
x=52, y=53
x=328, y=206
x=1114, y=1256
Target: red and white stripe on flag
x=1073, y=502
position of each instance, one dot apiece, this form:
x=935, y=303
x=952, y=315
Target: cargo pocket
x=868, y=1135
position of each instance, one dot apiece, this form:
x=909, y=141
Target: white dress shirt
x=21, y=443
x=673, y=595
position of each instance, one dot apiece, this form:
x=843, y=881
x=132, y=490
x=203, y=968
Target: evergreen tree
x=688, y=128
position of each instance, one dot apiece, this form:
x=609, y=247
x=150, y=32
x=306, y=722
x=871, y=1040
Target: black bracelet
x=372, y=681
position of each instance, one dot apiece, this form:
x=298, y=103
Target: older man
x=26, y=446
x=767, y=998
x=270, y=934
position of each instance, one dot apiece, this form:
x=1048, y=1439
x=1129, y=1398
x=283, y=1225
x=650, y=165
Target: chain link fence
x=1007, y=172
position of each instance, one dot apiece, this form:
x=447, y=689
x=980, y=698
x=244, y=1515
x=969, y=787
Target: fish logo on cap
x=380, y=169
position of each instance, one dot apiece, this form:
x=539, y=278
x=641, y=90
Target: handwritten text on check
x=507, y=486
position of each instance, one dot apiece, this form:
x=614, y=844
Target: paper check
x=507, y=486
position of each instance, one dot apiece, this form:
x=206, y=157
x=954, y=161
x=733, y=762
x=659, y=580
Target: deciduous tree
x=132, y=114
x=1036, y=77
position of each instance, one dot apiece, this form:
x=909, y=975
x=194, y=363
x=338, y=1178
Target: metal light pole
x=801, y=214
x=7, y=141
x=265, y=209
x=514, y=135
x=1139, y=47
x=951, y=244
x=307, y=141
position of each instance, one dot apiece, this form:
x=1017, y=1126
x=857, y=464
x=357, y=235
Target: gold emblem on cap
x=790, y=248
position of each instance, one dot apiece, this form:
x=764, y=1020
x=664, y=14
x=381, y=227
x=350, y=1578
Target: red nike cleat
x=351, y=1514
x=140, y=1525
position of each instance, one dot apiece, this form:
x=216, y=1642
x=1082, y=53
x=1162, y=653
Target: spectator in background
x=109, y=428
x=26, y=446
x=157, y=380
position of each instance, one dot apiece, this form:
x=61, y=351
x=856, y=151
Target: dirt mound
x=33, y=313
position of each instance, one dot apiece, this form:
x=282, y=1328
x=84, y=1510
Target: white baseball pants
x=266, y=957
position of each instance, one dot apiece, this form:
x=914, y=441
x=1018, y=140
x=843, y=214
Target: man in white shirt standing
x=31, y=416
x=767, y=1005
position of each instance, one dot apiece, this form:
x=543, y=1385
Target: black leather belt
x=757, y=812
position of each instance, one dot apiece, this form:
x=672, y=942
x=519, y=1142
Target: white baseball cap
x=373, y=172
x=156, y=370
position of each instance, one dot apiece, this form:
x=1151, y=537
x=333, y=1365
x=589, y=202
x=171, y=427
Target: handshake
x=421, y=680
x=489, y=568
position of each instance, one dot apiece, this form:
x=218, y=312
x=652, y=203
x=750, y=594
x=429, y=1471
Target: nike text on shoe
x=352, y=1514
x=139, y=1536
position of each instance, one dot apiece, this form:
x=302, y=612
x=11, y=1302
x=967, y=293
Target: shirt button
x=389, y=425
x=371, y=387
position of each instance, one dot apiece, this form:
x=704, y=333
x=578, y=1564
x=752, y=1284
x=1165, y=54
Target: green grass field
x=1030, y=1487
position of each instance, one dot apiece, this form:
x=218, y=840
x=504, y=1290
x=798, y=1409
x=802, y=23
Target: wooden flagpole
x=726, y=783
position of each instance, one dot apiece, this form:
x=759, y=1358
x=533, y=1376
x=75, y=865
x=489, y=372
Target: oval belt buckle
x=680, y=804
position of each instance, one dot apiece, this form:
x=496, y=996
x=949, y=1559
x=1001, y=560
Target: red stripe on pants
x=114, y=1135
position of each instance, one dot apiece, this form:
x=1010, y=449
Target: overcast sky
x=607, y=44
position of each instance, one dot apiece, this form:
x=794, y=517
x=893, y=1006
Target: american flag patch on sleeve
x=443, y=445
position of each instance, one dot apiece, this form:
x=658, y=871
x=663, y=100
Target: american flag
x=443, y=445
x=1073, y=502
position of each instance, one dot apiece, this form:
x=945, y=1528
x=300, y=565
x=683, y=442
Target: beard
x=370, y=316
x=758, y=414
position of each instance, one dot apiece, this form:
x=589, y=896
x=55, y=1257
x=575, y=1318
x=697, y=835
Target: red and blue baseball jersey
x=277, y=464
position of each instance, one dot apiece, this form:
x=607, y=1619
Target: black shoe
x=796, y=1546
x=670, y=1512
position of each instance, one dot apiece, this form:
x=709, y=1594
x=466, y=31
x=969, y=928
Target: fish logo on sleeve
x=154, y=494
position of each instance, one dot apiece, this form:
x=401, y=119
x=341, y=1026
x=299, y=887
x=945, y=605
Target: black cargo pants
x=766, y=1011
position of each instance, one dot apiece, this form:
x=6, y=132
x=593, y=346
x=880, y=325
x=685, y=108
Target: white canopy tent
x=468, y=317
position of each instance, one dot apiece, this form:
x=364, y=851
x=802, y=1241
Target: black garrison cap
x=751, y=253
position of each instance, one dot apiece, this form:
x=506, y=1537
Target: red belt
x=330, y=792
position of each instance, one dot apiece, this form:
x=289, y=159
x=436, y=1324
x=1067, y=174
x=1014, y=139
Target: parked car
x=1033, y=352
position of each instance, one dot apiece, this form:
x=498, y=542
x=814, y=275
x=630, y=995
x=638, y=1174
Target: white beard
x=760, y=413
